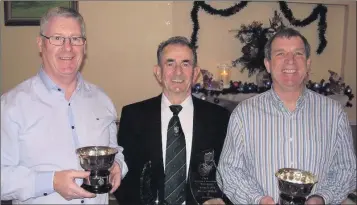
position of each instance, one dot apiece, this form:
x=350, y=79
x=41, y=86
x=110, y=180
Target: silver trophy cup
x=294, y=185
x=97, y=160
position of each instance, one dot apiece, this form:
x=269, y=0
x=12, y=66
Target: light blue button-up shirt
x=40, y=131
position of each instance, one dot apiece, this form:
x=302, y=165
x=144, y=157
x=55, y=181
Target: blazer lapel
x=155, y=145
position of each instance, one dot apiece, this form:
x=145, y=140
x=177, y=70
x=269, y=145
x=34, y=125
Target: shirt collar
x=279, y=102
x=50, y=85
x=166, y=103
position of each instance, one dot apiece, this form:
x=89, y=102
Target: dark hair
x=176, y=40
x=286, y=33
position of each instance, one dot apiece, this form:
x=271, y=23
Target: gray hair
x=176, y=40
x=286, y=33
x=62, y=12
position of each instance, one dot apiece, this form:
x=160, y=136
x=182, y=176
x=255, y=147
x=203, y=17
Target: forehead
x=177, y=52
x=287, y=43
x=63, y=25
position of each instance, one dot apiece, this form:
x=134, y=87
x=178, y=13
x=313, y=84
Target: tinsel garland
x=209, y=9
x=319, y=9
x=322, y=25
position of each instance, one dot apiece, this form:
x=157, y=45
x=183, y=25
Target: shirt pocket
x=99, y=127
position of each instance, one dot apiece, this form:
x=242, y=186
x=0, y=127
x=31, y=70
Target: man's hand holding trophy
x=64, y=184
x=101, y=175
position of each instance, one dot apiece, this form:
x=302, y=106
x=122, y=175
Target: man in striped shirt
x=288, y=126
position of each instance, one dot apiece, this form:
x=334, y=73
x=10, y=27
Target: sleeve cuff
x=44, y=183
x=123, y=168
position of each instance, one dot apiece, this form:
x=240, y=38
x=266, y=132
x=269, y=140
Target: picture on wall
x=28, y=13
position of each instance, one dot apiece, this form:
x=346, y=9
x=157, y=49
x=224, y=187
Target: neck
x=176, y=99
x=289, y=97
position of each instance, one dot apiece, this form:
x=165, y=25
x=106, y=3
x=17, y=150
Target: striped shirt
x=264, y=136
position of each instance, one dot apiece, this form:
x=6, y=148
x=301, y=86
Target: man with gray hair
x=288, y=126
x=179, y=136
x=47, y=117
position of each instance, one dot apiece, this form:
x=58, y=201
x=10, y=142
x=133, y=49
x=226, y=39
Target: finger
x=80, y=174
x=73, y=195
x=115, y=183
x=80, y=192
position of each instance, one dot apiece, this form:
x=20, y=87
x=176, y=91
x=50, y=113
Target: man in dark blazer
x=143, y=131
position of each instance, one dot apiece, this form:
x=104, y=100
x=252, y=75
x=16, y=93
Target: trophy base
x=285, y=199
x=97, y=189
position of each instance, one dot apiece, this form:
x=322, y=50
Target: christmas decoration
x=319, y=11
x=255, y=36
x=335, y=86
x=322, y=25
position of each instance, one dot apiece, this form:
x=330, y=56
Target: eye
x=75, y=39
x=57, y=38
x=299, y=53
x=186, y=64
x=170, y=64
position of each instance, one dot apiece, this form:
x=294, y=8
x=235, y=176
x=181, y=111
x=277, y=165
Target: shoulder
x=255, y=101
x=97, y=99
x=97, y=93
x=324, y=102
x=95, y=90
x=210, y=107
x=20, y=92
x=143, y=105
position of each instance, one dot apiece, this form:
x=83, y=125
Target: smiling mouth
x=289, y=71
x=66, y=58
x=177, y=81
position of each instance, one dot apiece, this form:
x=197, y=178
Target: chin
x=68, y=71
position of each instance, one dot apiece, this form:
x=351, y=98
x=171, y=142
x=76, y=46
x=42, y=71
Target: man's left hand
x=214, y=201
x=314, y=201
x=115, y=176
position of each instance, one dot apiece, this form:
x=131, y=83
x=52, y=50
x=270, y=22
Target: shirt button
x=72, y=127
x=59, y=89
x=45, y=194
x=69, y=104
x=82, y=201
x=291, y=139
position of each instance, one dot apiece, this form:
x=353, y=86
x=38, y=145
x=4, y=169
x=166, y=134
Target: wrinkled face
x=288, y=65
x=61, y=61
x=176, y=72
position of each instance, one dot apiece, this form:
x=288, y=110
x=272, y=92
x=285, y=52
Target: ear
x=157, y=73
x=39, y=43
x=308, y=65
x=267, y=65
x=85, y=48
x=196, y=74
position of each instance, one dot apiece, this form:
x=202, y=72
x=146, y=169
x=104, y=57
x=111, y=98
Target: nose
x=178, y=69
x=289, y=58
x=67, y=44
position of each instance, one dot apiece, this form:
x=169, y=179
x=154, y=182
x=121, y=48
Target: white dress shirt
x=186, y=120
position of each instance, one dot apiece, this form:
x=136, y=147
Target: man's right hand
x=64, y=184
x=267, y=200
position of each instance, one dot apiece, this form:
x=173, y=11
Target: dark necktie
x=175, y=166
